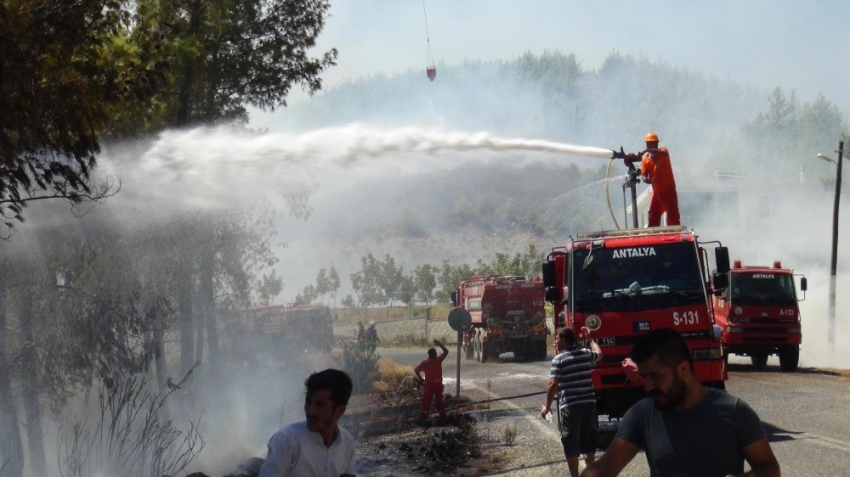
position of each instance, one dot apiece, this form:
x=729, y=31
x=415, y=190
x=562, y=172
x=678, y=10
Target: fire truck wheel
x=488, y=354
x=759, y=359
x=521, y=352
x=541, y=350
x=789, y=358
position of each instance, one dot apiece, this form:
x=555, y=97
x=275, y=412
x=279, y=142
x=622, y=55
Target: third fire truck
x=759, y=316
x=621, y=285
x=507, y=316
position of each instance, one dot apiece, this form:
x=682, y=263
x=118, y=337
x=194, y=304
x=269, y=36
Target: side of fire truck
x=507, y=317
x=276, y=333
x=759, y=314
x=623, y=284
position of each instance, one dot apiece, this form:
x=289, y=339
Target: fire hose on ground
x=473, y=403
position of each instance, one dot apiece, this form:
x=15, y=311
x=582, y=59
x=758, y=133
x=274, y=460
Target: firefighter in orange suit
x=656, y=170
x=433, y=381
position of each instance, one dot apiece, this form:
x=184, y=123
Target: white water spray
x=212, y=166
x=331, y=146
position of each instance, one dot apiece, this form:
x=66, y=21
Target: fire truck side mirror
x=719, y=282
x=454, y=298
x=552, y=295
x=804, y=284
x=548, y=273
x=721, y=256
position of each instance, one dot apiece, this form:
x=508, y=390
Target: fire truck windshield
x=762, y=289
x=637, y=278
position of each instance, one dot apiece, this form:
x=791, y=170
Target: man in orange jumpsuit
x=433, y=369
x=656, y=170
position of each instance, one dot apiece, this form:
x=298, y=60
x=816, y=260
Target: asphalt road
x=806, y=414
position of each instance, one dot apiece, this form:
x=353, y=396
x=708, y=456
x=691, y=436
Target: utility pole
x=833, y=265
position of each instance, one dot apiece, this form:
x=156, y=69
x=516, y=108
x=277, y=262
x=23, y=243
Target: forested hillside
x=547, y=96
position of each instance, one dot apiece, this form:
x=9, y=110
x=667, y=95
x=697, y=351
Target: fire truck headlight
x=794, y=331
x=708, y=353
x=733, y=329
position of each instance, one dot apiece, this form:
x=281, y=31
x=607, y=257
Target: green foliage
x=450, y=277
x=57, y=81
x=367, y=282
x=526, y=264
x=549, y=95
x=77, y=71
x=407, y=290
x=348, y=302
x=787, y=136
x=333, y=283
x=424, y=283
x=360, y=361
x=390, y=279
x=223, y=55
x=270, y=287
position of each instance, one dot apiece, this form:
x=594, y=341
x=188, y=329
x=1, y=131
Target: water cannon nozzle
x=618, y=154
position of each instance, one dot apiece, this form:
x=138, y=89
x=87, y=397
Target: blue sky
x=800, y=46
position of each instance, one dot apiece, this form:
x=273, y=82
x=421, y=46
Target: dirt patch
x=391, y=443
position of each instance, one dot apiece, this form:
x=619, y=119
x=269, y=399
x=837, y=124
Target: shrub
x=360, y=361
x=133, y=437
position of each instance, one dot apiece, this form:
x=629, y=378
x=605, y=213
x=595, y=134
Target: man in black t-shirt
x=685, y=428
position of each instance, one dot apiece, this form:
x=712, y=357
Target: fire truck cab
x=759, y=316
x=622, y=284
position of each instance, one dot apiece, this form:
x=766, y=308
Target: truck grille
x=765, y=339
x=612, y=379
x=763, y=329
x=615, y=360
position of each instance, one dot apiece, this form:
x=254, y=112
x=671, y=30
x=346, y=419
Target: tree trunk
x=184, y=96
x=11, y=447
x=208, y=299
x=186, y=322
x=159, y=355
x=30, y=387
x=199, y=330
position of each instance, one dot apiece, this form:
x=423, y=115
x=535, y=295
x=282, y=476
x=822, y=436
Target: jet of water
x=209, y=165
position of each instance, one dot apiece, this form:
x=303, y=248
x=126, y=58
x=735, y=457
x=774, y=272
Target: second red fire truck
x=507, y=316
x=759, y=316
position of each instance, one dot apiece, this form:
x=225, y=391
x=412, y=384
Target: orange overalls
x=433, y=369
x=664, y=197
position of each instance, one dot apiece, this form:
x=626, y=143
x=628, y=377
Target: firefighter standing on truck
x=656, y=170
x=433, y=369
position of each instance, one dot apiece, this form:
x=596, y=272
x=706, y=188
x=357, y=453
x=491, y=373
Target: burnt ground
x=391, y=443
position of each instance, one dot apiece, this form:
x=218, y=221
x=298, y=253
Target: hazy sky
x=801, y=46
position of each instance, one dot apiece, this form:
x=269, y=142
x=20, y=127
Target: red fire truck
x=276, y=333
x=759, y=316
x=507, y=316
x=622, y=284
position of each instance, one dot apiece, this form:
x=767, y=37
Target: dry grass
x=391, y=376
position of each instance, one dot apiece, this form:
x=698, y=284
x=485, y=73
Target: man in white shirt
x=317, y=447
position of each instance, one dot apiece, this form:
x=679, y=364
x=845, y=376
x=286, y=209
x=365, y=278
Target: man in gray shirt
x=685, y=428
x=569, y=377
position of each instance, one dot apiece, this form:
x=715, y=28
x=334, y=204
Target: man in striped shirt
x=569, y=376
